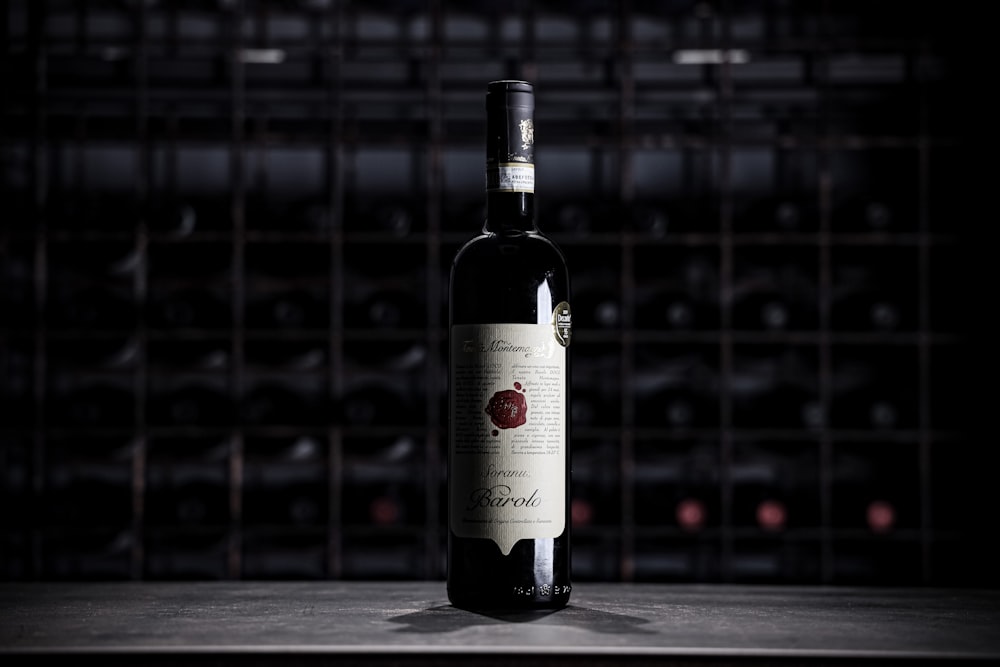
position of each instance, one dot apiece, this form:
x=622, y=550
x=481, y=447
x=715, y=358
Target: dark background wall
x=227, y=228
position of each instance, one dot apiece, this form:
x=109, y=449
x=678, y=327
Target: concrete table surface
x=334, y=622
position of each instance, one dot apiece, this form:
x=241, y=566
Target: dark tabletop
x=258, y=623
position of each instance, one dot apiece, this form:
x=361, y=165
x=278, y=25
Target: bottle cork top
x=510, y=93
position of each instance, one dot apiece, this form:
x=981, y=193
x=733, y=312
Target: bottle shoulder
x=507, y=278
x=514, y=247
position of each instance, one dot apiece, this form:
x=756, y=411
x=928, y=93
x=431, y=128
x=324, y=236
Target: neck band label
x=510, y=177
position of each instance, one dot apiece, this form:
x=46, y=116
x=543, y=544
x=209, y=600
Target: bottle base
x=493, y=603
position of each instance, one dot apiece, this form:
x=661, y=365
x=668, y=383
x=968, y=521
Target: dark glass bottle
x=508, y=436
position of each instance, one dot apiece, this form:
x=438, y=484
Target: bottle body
x=508, y=429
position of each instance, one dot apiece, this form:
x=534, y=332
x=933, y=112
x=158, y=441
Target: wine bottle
x=598, y=300
x=190, y=403
x=287, y=309
x=91, y=307
x=91, y=403
x=384, y=308
x=375, y=402
x=392, y=219
x=284, y=482
x=189, y=307
x=574, y=218
x=880, y=516
x=172, y=217
x=508, y=436
x=649, y=220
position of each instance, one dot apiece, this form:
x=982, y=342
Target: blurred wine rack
x=227, y=232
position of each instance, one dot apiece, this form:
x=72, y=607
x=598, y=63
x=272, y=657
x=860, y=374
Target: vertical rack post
x=434, y=198
x=334, y=202
x=925, y=441
x=39, y=166
x=626, y=193
x=722, y=143
x=820, y=75
x=233, y=46
x=142, y=186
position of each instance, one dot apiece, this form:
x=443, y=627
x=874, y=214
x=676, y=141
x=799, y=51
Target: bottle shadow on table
x=446, y=618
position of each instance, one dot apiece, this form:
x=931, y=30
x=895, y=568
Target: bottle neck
x=510, y=212
x=510, y=158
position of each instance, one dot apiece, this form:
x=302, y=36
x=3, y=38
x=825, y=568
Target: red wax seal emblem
x=507, y=409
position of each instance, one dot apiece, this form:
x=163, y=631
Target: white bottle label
x=507, y=432
x=510, y=177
